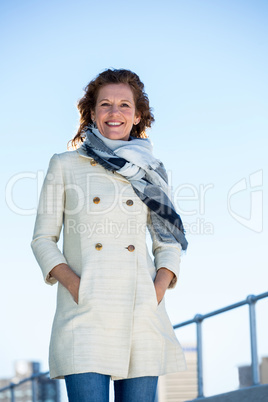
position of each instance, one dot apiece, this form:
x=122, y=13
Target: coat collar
x=116, y=175
x=83, y=153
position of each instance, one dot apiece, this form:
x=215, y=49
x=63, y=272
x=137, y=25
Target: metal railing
x=198, y=319
x=34, y=378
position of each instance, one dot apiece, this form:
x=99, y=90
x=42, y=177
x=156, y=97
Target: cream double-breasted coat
x=117, y=327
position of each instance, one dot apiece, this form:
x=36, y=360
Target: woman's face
x=115, y=111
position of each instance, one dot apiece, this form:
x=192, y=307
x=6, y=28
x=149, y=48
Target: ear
x=92, y=115
x=137, y=119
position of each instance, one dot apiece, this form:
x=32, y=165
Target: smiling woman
x=131, y=81
x=110, y=321
x=115, y=112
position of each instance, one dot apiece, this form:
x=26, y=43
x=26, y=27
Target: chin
x=116, y=136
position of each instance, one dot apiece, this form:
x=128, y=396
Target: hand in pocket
x=74, y=290
x=160, y=293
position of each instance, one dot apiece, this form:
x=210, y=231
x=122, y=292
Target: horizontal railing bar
x=184, y=323
x=16, y=384
x=201, y=317
x=261, y=296
x=224, y=309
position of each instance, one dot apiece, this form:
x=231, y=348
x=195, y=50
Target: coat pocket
x=81, y=290
x=154, y=296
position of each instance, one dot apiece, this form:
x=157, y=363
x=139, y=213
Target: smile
x=113, y=123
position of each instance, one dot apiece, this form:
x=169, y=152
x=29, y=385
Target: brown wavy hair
x=87, y=103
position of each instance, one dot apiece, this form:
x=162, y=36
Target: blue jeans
x=94, y=387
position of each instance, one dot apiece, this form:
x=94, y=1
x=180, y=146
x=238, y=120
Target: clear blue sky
x=204, y=64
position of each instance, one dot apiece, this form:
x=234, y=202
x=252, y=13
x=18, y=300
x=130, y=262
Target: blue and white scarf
x=134, y=160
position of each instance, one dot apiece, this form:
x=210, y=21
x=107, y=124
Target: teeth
x=111, y=123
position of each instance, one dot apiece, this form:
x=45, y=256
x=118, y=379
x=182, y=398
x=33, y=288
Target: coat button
x=93, y=163
x=131, y=247
x=98, y=246
x=96, y=200
x=129, y=203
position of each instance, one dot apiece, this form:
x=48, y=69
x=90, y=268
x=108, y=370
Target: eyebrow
x=122, y=100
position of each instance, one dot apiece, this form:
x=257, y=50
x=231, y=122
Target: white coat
x=117, y=327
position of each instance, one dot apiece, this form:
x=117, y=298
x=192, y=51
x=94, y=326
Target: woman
x=110, y=320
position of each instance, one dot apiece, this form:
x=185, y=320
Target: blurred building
x=264, y=370
x=45, y=389
x=245, y=374
x=182, y=386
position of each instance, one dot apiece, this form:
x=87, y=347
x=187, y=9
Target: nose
x=114, y=109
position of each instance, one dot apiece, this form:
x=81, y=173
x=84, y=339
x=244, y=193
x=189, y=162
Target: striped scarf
x=133, y=159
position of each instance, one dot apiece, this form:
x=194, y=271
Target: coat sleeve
x=49, y=221
x=166, y=255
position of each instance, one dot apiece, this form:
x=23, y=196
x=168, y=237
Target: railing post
x=12, y=392
x=253, y=340
x=198, y=319
x=34, y=390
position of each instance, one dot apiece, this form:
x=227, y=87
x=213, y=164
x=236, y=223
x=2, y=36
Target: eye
x=125, y=105
x=104, y=104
